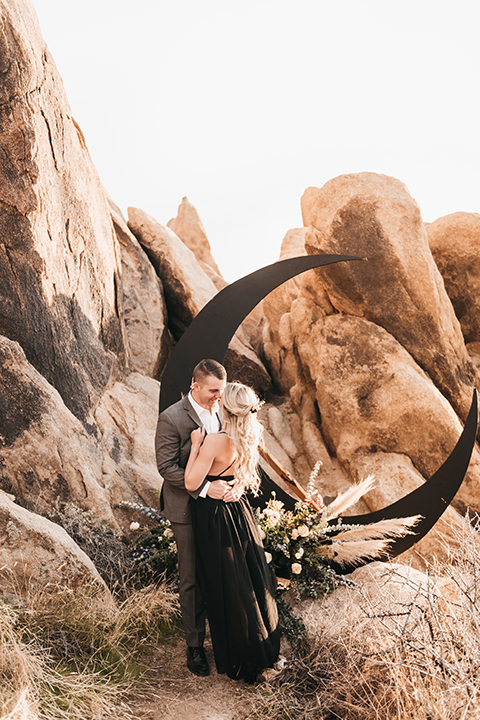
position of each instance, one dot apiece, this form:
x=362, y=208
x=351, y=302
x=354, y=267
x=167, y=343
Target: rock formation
x=35, y=551
x=368, y=360
x=454, y=241
x=189, y=228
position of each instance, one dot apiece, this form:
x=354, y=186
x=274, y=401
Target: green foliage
x=154, y=552
x=292, y=626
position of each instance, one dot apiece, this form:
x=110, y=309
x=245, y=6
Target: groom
x=172, y=446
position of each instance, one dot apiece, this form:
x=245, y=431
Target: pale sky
x=241, y=106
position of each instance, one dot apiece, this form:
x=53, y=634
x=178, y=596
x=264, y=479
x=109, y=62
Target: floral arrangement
x=300, y=545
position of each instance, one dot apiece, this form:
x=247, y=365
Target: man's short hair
x=208, y=367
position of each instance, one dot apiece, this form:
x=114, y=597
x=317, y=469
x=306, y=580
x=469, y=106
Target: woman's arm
x=201, y=458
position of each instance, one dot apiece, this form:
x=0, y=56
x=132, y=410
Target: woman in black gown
x=231, y=563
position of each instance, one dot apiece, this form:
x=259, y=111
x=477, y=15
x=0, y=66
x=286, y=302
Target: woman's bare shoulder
x=218, y=440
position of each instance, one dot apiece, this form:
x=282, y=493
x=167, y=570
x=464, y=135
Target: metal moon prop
x=213, y=328
x=209, y=333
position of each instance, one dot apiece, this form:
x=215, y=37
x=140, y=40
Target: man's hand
x=217, y=489
x=234, y=492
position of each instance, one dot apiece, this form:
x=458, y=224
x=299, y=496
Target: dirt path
x=180, y=695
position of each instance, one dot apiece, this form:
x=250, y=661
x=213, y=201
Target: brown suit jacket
x=172, y=448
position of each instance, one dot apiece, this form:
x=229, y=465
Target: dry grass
x=73, y=655
x=403, y=655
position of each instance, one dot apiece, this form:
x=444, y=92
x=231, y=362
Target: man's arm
x=167, y=451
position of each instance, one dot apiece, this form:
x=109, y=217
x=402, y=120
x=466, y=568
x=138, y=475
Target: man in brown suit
x=172, y=445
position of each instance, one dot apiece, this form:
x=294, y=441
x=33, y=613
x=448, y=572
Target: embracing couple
x=207, y=453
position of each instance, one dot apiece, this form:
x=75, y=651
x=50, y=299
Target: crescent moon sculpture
x=208, y=336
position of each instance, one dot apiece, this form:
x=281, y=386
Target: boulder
x=395, y=477
x=382, y=590
x=46, y=453
x=144, y=308
x=398, y=285
x=187, y=289
x=126, y=419
x=373, y=398
x=454, y=241
x=189, y=228
x=35, y=552
x=47, y=456
x=59, y=260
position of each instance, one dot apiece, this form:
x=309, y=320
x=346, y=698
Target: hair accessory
x=257, y=407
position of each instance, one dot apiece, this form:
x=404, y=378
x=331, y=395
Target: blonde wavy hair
x=240, y=405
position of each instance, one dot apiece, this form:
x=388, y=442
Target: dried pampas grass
x=350, y=497
x=367, y=542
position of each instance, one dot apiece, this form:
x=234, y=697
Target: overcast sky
x=240, y=106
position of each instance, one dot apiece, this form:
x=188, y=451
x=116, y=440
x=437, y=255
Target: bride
x=231, y=565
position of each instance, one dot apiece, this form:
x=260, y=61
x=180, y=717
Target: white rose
x=294, y=534
x=268, y=557
x=296, y=568
x=274, y=517
x=134, y=526
x=303, y=531
x=168, y=532
x=299, y=554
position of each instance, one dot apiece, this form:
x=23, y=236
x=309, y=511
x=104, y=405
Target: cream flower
x=268, y=557
x=294, y=534
x=134, y=526
x=296, y=568
x=299, y=553
x=303, y=531
x=273, y=518
x=168, y=532
x=262, y=532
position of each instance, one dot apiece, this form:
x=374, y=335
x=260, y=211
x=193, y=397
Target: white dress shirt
x=211, y=424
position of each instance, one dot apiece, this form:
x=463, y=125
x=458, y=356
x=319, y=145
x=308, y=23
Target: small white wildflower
x=296, y=568
x=134, y=526
x=299, y=553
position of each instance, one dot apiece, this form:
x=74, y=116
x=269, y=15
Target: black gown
x=237, y=585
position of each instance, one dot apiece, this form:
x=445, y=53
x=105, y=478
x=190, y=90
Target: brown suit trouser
x=191, y=599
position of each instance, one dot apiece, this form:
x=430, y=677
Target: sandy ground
x=180, y=695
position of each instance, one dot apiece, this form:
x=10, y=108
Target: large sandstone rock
x=187, y=289
x=126, y=419
x=398, y=286
x=374, y=398
x=395, y=477
x=59, y=262
x=47, y=455
x=189, y=228
x=455, y=242
x=144, y=308
x=35, y=552
x=388, y=588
